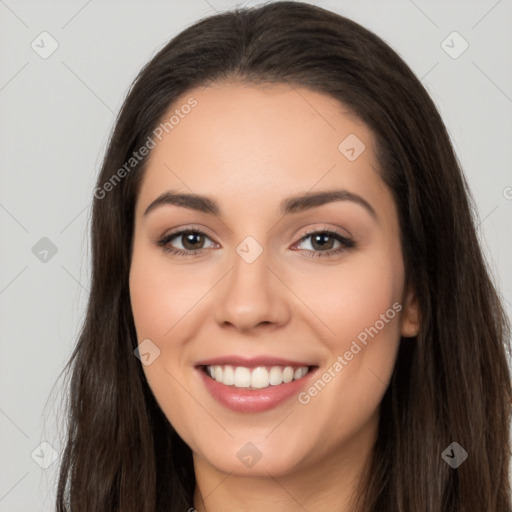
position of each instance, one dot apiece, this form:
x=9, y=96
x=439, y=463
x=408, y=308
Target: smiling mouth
x=259, y=377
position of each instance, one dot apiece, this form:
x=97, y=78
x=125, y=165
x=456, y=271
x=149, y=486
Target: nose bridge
x=251, y=294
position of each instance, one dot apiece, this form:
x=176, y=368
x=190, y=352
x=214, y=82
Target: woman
x=289, y=306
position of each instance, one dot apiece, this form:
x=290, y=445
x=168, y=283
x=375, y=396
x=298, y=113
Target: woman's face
x=268, y=294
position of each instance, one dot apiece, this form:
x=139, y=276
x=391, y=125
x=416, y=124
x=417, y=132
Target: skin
x=248, y=148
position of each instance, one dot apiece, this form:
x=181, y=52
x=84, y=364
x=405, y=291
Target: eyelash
x=346, y=243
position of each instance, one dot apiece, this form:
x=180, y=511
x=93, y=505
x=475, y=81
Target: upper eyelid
x=187, y=229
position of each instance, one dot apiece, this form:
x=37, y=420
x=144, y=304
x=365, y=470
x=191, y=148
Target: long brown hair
x=451, y=383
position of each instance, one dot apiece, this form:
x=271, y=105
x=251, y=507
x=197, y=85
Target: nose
x=252, y=294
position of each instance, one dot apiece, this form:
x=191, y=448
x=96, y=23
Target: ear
x=410, y=321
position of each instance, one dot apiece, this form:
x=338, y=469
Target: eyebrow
x=288, y=206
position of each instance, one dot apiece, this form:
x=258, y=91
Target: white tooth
x=228, y=378
x=259, y=377
x=276, y=376
x=288, y=374
x=242, y=377
x=218, y=373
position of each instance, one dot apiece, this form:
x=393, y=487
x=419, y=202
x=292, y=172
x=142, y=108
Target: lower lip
x=258, y=400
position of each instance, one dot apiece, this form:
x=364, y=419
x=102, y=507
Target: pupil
x=322, y=237
x=189, y=239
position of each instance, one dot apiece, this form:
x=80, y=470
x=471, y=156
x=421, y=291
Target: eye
x=324, y=240
x=191, y=241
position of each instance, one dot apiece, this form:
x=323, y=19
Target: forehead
x=258, y=143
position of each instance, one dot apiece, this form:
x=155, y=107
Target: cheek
x=359, y=306
x=365, y=318
x=351, y=297
x=160, y=301
x=161, y=296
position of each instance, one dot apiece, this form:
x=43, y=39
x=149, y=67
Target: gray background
x=55, y=117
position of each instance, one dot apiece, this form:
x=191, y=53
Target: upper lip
x=252, y=362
